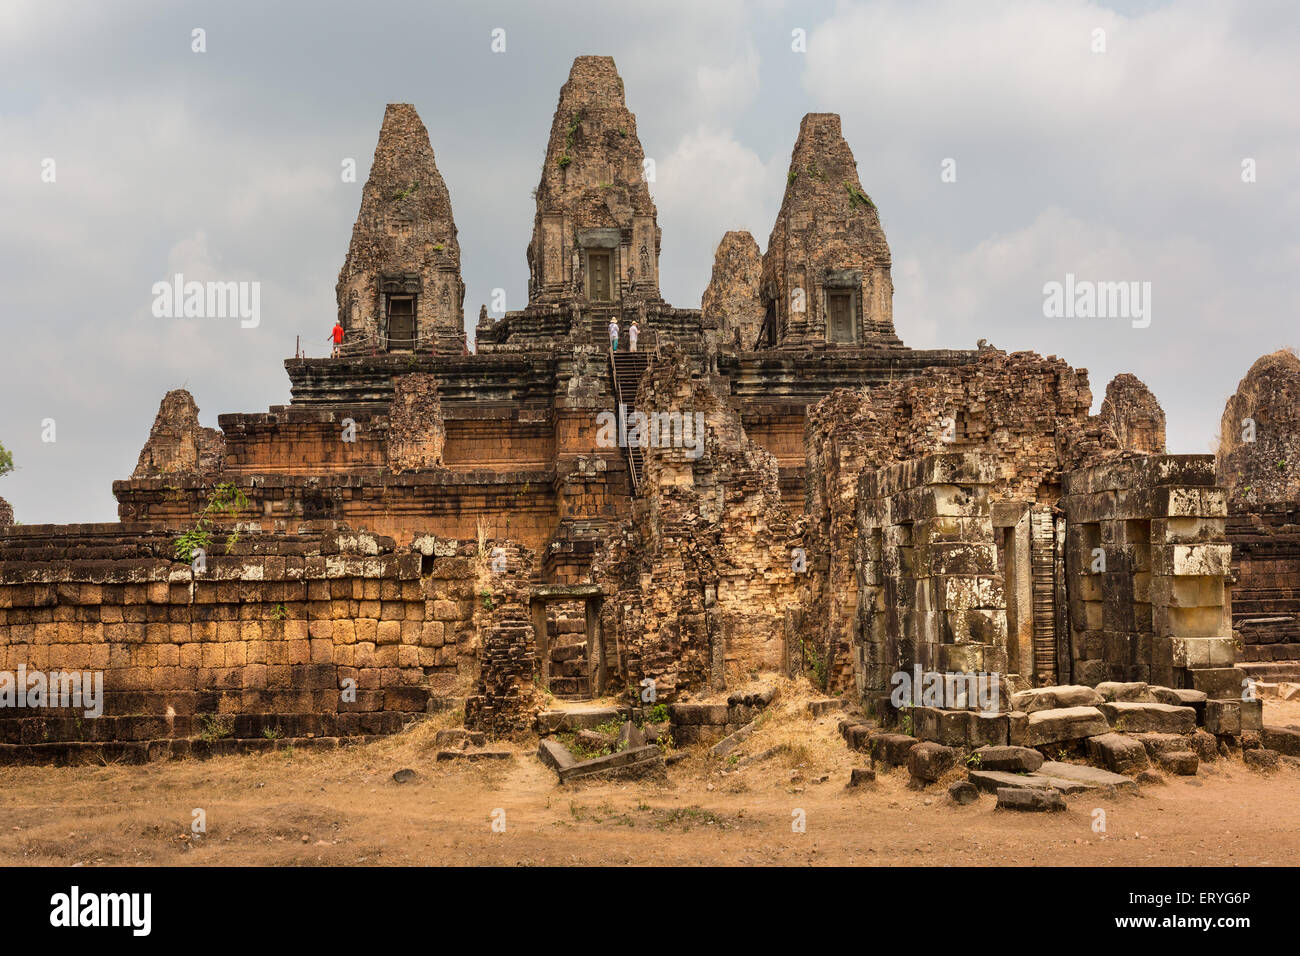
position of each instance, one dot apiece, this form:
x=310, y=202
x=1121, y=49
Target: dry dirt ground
x=342, y=808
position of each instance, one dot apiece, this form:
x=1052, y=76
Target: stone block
x=1055, y=698
x=1064, y=723
x=1140, y=718
x=928, y=761
x=1118, y=753
x=1034, y=799
x=1009, y=759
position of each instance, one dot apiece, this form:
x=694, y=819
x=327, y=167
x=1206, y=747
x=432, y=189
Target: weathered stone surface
x=1180, y=697
x=416, y=432
x=593, y=740
x=1139, y=718
x=1118, y=753
x=732, y=308
x=1012, y=759
x=1130, y=692
x=636, y=763
x=819, y=708
x=1030, y=798
x=404, y=247
x=554, y=754
x=727, y=744
x=1055, y=698
x=177, y=443
x=1091, y=777
x=827, y=240
x=1285, y=740
x=473, y=756
x=1149, y=778
x=1065, y=723
x=6, y=514
x=404, y=775
x=1260, y=758
x=963, y=793
x=1184, y=763
x=861, y=776
x=1134, y=415
x=929, y=761
x=892, y=749
x=1269, y=399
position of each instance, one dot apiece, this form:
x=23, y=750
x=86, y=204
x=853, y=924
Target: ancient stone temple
x=400, y=288
x=772, y=483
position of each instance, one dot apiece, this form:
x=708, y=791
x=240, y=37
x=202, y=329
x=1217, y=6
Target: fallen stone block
x=1183, y=763
x=1149, y=718
x=861, y=776
x=1118, y=754
x=892, y=749
x=554, y=754
x=624, y=765
x=1223, y=717
x=989, y=729
x=1261, y=758
x=1149, y=778
x=1055, y=698
x=1162, y=743
x=928, y=761
x=1010, y=759
x=857, y=736
x=1066, y=723
x=1252, y=716
x=1204, y=745
x=963, y=793
x=727, y=744
x=1133, y=692
x=405, y=775
x=1034, y=799
x=1285, y=740
x=575, y=718
x=1091, y=778
x=819, y=708
x=694, y=715
x=1181, y=697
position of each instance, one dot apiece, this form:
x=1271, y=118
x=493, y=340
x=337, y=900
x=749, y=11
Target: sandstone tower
x=595, y=236
x=400, y=288
x=826, y=270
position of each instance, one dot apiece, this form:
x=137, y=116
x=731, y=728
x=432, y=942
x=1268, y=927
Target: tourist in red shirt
x=337, y=337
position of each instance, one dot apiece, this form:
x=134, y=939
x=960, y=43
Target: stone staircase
x=627, y=368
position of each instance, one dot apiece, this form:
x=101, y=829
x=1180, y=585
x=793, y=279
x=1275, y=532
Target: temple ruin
x=773, y=483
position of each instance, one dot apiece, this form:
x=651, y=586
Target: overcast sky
x=1122, y=165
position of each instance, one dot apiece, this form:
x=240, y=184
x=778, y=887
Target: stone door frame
x=592, y=597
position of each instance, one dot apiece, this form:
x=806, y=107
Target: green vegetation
x=6, y=461
x=857, y=196
x=791, y=176
x=225, y=499
x=815, y=664
x=409, y=190
x=216, y=726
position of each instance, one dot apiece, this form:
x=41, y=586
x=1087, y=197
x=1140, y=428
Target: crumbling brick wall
x=6, y=514
x=178, y=444
x=324, y=634
x=1027, y=415
x=506, y=701
x=702, y=578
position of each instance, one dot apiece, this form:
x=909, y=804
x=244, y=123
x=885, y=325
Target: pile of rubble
x=1058, y=741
